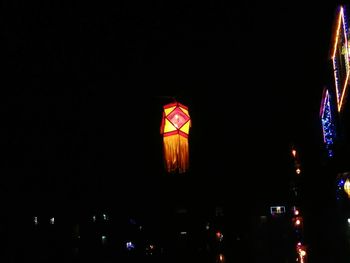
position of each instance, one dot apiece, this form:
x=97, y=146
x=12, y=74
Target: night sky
x=84, y=83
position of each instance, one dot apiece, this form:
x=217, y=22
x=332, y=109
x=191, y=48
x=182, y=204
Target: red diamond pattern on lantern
x=178, y=118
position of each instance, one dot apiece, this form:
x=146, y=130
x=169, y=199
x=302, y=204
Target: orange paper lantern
x=176, y=123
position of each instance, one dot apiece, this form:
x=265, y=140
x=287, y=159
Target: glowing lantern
x=347, y=187
x=176, y=123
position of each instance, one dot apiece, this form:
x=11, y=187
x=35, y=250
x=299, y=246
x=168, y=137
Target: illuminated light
x=183, y=233
x=297, y=221
x=150, y=249
x=294, y=153
x=340, y=83
x=301, y=250
x=52, y=221
x=221, y=257
x=337, y=34
x=103, y=239
x=130, y=245
x=219, y=236
x=346, y=61
x=328, y=128
x=94, y=218
x=296, y=212
x=302, y=254
x=336, y=80
x=348, y=220
x=175, y=126
x=36, y=220
x=276, y=210
x=298, y=171
x=104, y=217
x=177, y=121
x=347, y=187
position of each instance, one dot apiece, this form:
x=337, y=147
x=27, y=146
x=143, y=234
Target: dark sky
x=84, y=84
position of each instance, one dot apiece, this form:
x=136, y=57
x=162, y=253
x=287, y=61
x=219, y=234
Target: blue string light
x=328, y=126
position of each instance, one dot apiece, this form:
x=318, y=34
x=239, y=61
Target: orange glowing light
x=340, y=91
x=347, y=187
x=337, y=34
x=301, y=250
x=175, y=126
x=294, y=153
x=298, y=221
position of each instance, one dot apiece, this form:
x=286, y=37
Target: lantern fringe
x=176, y=153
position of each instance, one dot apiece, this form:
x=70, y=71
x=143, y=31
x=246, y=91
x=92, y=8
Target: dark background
x=83, y=85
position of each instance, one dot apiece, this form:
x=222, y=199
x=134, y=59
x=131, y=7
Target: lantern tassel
x=176, y=153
